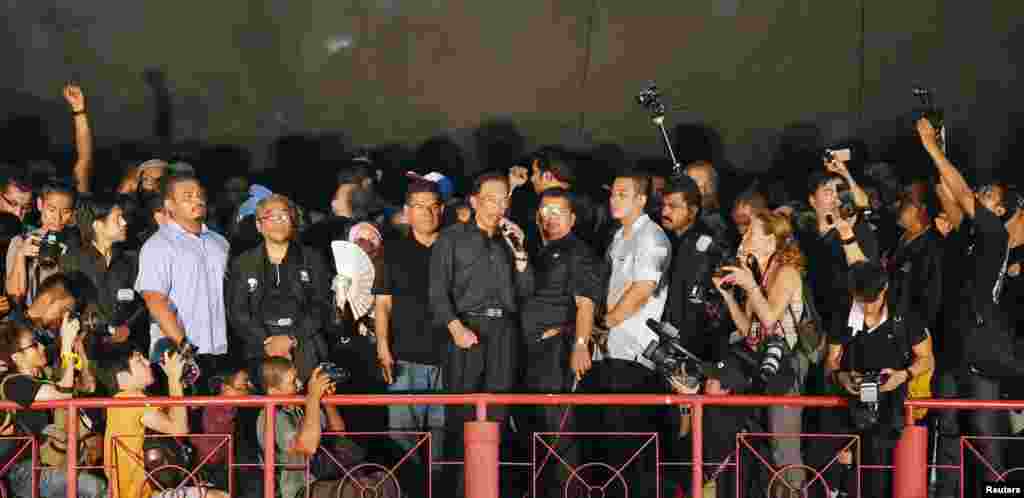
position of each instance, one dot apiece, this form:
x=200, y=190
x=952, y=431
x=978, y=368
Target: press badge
x=304, y=276
x=252, y=284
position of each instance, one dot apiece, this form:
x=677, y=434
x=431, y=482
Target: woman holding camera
x=769, y=273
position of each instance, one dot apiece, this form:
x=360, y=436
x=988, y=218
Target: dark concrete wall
x=247, y=71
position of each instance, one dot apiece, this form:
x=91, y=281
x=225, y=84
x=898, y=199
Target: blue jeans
x=53, y=482
x=417, y=378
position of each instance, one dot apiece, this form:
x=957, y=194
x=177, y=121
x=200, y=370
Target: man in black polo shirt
x=410, y=346
x=559, y=318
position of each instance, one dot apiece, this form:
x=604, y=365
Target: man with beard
x=181, y=274
x=279, y=293
x=694, y=248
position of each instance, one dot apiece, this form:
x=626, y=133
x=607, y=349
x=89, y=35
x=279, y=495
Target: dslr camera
x=650, y=99
x=669, y=356
x=865, y=412
x=51, y=247
x=336, y=374
x=188, y=351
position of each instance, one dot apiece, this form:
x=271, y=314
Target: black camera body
x=650, y=99
x=336, y=374
x=669, y=356
x=51, y=248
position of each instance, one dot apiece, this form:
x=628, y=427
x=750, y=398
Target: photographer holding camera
x=874, y=360
x=731, y=375
x=33, y=257
x=769, y=269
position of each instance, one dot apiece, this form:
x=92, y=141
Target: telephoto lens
x=774, y=350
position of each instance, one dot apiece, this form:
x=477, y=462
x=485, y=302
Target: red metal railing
x=910, y=482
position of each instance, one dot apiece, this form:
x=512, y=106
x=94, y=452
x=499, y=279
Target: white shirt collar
x=856, y=320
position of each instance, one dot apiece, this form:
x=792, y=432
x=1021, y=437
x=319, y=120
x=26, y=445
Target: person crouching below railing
x=28, y=382
x=133, y=463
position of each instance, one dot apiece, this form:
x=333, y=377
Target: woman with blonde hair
x=772, y=311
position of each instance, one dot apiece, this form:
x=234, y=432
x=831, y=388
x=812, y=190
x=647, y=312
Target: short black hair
x=682, y=184
x=354, y=173
x=58, y=187
x=119, y=360
x=12, y=175
x=57, y=282
x=641, y=179
x=817, y=179
x=487, y=176
x=867, y=280
x=560, y=193
x=96, y=208
x=557, y=162
x=421, y=187
x=167, y=183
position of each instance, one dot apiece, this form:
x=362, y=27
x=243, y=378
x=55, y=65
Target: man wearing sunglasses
x=559, y=317
x=279, y=293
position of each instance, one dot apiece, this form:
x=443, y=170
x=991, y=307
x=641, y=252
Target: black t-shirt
x=564, y=269
x=22, y=390
x=405, y=276
x=915, y=269
x=827, y=269
x=886, y=346
x=988, y=248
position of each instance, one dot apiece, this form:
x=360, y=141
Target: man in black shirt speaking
x=479, y=272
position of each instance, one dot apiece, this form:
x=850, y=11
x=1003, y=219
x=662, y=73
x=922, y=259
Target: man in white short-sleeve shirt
x=639, y=256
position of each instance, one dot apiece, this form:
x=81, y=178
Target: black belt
x=280, y=322
x=491, y=313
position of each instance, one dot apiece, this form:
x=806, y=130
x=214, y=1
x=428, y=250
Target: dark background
x=760, y=73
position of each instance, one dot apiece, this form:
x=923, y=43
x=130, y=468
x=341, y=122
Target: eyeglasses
x=278, y=217
x=496, y=201
x=34, y=344
x=426, y=207
x=552, y=211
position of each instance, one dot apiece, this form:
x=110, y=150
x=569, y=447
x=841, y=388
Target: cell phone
x=841, y=155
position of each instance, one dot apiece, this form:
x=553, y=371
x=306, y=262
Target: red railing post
x=697, y=440
x=481, y=440
x=72, y=455
x=269, y=441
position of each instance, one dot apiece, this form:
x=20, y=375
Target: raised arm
x=82, y=169
x=950, y=176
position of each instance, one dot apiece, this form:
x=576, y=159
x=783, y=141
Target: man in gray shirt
x=637, y=290
x=181, y=274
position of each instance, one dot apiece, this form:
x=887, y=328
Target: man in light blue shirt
x=181, y=274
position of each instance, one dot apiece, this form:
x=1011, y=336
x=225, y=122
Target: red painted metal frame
x=481, y=401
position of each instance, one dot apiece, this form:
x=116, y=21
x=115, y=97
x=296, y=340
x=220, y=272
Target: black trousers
x=548, y=372
x=613, y=376
x=965, y=384
x=488, y=366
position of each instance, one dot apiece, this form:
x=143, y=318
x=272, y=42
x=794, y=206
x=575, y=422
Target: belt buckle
x=284, y=322
x=493, y=312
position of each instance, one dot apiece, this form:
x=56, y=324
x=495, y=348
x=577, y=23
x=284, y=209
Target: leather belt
x=487, y=313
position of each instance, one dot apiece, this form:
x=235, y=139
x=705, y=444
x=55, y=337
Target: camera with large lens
x=864, y=410
x=650, y=99
x=669, y=356
x=775, y=351
x=336, y=374
x=51, y=247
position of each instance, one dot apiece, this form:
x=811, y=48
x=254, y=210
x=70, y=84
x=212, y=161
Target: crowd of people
x=532, y=276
